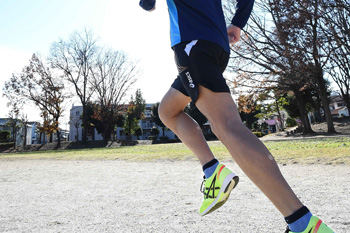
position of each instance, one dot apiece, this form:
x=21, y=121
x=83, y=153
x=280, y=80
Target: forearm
x=244, y=9
x=147, y=4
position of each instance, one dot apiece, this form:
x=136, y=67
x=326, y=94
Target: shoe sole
x=228, y=185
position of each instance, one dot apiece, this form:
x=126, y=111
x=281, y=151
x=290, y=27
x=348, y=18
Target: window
x=148, y=113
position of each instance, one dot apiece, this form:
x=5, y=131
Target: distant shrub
x=256, y=126
x=5, y=136
x=154, y=131
x=291, y=122
x=164, y=138
x=6, y=145
x=264, y=126
x=258, y=134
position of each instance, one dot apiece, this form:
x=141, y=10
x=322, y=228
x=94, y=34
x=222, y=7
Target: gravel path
x=118, y=196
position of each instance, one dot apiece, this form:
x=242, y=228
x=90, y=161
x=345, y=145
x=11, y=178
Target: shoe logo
x=211, y=189
x=190, y=80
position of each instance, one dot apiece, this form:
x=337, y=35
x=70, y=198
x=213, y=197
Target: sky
x=31, y=26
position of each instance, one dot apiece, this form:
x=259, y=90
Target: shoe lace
x=202, y=188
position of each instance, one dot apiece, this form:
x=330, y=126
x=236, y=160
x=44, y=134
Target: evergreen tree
x=134, y=114
x=156, y=119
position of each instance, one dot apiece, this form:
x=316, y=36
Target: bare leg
x=247, y=150
x=171, y=113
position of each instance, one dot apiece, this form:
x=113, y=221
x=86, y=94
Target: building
x=147, y=124
x=3, y=125
x=338, y=107
x=274, y=123
x=29, y=131
x=75, y=127
x=33, y=133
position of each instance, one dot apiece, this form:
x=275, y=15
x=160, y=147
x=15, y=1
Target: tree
x=38, y=85
x=264, y=59
x=140, y=105
x=291, y=105
x=336, y=27
x=301, y=20
x=156, y=119
x=113, y=75
x=135, y=113
x=40, y=131
x=24, y=124
x=283, y=48
x=138, y=132
x=48, y=127
x=14, y=122
x=75, y=59
x=155, y=131
x=271, y=102
x=5, y=135
x=246, y=105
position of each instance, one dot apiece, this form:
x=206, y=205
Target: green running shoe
x=217, y=189
x=315, y=226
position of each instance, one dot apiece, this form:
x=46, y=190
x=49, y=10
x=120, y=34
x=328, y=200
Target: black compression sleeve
x=244, y=9
x=147, y=4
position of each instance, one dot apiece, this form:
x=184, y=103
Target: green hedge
x=259, y=134
x=291, y=122
x=5, y=135
x=5, y=145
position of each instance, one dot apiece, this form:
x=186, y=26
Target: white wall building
x=75, y=129
x=338, y=107
x=30, y=132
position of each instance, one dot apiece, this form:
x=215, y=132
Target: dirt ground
x=119, y=196
x=342, y=127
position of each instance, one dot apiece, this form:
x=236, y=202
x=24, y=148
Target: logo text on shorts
x=190, y=80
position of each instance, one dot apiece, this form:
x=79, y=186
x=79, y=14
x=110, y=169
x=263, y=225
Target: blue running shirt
x=201, y=19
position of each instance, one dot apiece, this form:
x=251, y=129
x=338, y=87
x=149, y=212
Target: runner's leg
x=172, y=115
x=246, y=149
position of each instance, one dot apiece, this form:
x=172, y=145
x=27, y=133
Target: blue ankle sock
x=298, y=221
x=209, y=168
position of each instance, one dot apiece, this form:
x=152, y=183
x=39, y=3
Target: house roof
x=335, y=99
x=3, y=121
x=271, y=122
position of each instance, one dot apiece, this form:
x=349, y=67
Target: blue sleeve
x=243, y=10
x=147, y=4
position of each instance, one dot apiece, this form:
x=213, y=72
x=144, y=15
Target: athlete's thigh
x=173, y=102
x=217, y=106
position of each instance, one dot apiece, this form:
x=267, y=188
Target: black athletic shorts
x=200, y=62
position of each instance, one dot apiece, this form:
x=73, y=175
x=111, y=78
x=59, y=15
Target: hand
x=234, y=34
